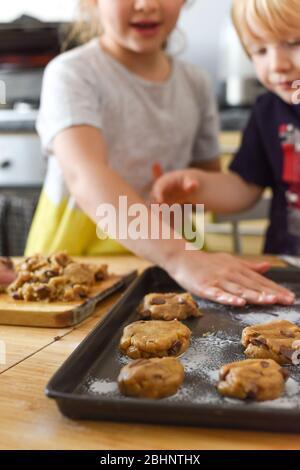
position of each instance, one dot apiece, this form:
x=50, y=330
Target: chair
x=259, y=212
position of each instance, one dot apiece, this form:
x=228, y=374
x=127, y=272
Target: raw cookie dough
x=258, y=379
x=151, y=378
x=169, y=306
x=277, y=340
x=155, y=339
x=55, y=278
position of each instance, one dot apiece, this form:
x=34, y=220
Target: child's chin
x=147, y=48
x=288, y=96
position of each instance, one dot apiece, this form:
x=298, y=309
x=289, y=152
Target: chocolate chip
x=264, y=364
x=287, y=334
x=284, y=373
x=223, y=373
x=287, y=352
x=145, y=313
x=174, y=350
x=16, y=296
x=251, y=394
x=99, y=277
x=259, y=342
x=157, y=301
x=51, y=273
x=42, y=292
x=62, y=259
x=82, y=294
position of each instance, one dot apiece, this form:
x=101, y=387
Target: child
x=111, y=110
x=270, y=152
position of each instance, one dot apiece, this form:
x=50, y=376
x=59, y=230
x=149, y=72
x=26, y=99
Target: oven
x=26, y=47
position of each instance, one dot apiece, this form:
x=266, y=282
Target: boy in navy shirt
x=270, y=152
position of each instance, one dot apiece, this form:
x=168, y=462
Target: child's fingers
x=171, y=187
x=255, y=293
x=262, y=267
x=164, y=187
x=283, y=296
x=268, y=283
x=157, y=193
x=189, y=184
x=221, y=296
x=251, y=295
x=157, y=171
x=155, y=197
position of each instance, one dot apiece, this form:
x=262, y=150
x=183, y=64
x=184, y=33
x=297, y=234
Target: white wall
x=48, y=10
x=202, y=23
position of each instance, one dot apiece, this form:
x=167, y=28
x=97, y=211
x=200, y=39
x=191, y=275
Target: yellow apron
x=59, y=224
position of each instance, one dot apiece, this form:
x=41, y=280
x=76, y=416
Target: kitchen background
x=203, y=23
x=207, y=40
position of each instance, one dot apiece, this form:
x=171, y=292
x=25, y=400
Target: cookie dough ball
x=257, y=379
x=151, y=378
x=169, y=306
x=145, y=339
x=277, y=340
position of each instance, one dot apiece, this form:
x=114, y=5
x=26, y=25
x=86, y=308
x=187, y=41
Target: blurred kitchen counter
x=229, y=142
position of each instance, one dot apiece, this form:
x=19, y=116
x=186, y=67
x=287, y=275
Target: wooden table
x=29, y=420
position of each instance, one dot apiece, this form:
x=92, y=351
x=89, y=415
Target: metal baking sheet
x=85, y=386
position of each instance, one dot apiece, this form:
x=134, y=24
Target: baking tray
x=85, y=386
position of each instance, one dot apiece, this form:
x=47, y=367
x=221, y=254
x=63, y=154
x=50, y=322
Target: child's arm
x=208, y=165
x=220, y=192
x=82, y=155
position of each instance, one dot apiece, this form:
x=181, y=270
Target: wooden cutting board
x=59, y=314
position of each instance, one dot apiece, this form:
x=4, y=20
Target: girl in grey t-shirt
x=112, y=111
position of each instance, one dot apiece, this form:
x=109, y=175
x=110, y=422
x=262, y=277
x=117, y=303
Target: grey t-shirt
x=173, y=123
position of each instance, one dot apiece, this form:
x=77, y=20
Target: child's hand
x=176, y=187
x=7, y=276
x=227, y=280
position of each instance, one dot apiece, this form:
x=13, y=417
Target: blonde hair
x=86, y=26
x=280, y=19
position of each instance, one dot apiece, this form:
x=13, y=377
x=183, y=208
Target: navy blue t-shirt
x=270, y=157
